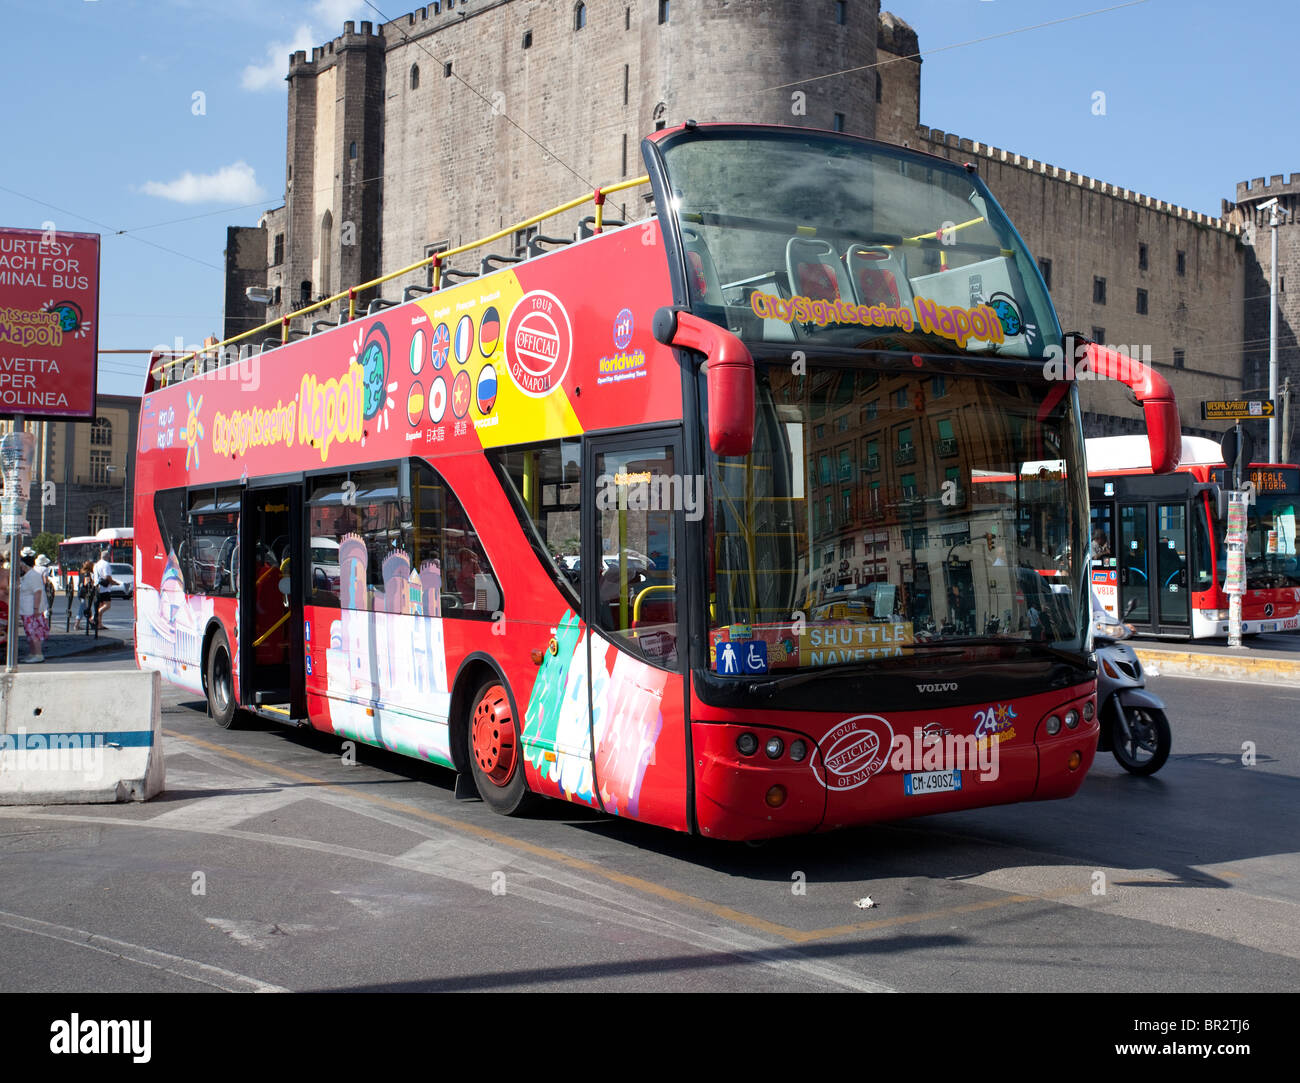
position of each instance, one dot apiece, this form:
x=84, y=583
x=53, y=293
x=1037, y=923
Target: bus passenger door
x=1153, y=565
x=631, y=552
x=271, y=662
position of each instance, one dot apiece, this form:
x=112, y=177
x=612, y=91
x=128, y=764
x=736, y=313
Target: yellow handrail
x=436, y=261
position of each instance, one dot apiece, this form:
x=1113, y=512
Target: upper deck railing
x=163, y=371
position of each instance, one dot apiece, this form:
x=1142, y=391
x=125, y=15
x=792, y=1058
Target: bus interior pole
x=15, y=545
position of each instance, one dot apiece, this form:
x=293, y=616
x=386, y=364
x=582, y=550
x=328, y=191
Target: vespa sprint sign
x=49, y=322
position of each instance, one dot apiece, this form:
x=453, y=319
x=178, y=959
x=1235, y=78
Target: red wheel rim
x=494, y=737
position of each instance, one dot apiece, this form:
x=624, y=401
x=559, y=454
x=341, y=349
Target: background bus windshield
x=816, y=238
x=896, y=511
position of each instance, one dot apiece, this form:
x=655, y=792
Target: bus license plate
x=931, y=782
x=1268, y=626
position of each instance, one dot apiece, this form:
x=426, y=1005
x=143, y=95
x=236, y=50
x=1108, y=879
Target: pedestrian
x=32, y=607
x=85, y=591
x=103, y=580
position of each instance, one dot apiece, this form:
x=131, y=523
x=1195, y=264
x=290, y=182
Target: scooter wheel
x=1150, y=740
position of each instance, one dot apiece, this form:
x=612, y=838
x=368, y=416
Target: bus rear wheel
x=495, y=751
x=221, y=682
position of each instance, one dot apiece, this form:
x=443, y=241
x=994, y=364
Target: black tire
x=1152, y=739
x=495, y=752
x=220, y=671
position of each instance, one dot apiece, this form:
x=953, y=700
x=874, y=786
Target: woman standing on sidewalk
x=31, y=607
x=85, y=592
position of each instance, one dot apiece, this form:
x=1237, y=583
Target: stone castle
x=457, y=119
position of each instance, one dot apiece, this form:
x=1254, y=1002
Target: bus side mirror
x=1154, y=395
x=730, y=372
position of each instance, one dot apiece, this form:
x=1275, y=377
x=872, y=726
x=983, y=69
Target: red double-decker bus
x=1159, y=548
x=675, y=520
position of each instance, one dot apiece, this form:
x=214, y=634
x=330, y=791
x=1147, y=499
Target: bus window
x=169, y=510
x=214, y=541
x=544, y=485
x=637, y=491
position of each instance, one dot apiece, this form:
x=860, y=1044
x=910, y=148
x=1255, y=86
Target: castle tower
x=898, y=81
x=1257, y=236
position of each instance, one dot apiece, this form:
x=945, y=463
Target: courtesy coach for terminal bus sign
x=49, y=322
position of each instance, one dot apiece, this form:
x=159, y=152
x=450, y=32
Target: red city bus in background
x=74, y=552
x=1158, y=541
x=675, y=520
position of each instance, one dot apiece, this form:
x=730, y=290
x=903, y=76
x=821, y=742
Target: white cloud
x=271, y=72
x=328, y=17
x=235, y=183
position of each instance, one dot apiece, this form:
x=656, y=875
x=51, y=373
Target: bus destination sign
x=1268, y=480
x=1237, y=410
x=49, y=322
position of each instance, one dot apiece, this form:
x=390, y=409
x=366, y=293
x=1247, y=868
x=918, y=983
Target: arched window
x=97, y=518
x=579, y=16
x=101, y=432
x=326, y=250
x=415, y=76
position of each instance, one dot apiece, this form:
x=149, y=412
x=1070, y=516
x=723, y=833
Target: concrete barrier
x=1224, y=667
x=80, y=737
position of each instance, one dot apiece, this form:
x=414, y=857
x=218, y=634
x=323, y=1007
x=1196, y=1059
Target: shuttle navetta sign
x=49, y=322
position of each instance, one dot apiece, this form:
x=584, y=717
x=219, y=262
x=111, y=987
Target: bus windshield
x=886, y=513
x=807, y=237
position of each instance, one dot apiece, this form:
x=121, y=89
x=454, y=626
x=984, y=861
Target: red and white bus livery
x=1158, y=542
x=675, y=520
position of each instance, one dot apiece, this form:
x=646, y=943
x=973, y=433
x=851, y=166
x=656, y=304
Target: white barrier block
x=80, y=737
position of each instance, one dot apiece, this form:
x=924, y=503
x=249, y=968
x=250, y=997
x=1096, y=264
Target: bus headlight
x=1071, y=718
x=746, y=744
x=774, y=747
x=1089, y=709
x=798, y=750
x=1053, y=726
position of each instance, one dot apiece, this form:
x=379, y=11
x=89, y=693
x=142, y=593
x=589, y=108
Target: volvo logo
x=951, y=686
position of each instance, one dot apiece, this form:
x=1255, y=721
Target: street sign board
x=49, y=322
x=1237, y=410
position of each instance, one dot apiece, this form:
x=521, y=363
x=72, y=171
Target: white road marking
x=258, y=935
x=192, y=969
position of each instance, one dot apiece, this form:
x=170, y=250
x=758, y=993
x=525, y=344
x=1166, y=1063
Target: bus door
x=271, y=607
x=1153, y=565
x=631, y=567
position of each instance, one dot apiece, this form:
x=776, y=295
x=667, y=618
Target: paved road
x=273, y=864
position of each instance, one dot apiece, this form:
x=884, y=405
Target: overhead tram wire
x=479, y=94
x=958, y=44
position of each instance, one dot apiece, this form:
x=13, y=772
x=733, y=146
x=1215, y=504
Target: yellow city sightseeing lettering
x=331, y=411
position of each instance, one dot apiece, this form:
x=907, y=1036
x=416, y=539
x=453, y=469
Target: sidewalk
x=1274, y=659
x=61, y=645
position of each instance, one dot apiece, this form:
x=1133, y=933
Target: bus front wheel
x=495, y=752
x=221, y=682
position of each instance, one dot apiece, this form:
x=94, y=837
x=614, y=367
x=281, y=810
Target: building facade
x=455, y=120
x=82, y=476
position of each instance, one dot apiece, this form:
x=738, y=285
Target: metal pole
x=1272, y=338
x=15, y=545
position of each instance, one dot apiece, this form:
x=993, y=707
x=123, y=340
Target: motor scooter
x=1134, y=726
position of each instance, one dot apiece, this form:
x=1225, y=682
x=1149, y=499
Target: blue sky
x=107, y=134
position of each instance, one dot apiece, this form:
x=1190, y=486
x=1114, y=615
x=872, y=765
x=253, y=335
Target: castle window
x=352, y=151
x=627, y=18
x=415, y=76
x=446, y=70
x=624, y=154
x=1142, y=303
x=304, y=292
x=837, y=123
x=528, y=39
x=1098, y=291
x=880, y=89
x=1045, y=269
x=1142, y=257
x=625, y=83
x=663, y=12
x=579, y=16
x=1182, y=263
x=1179, y=359
x=279, y=250
x=841, y=12
x=1099, y=335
